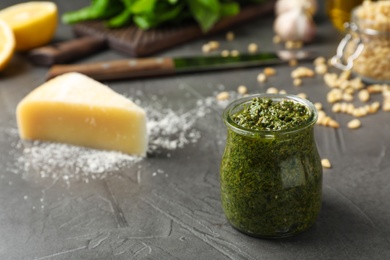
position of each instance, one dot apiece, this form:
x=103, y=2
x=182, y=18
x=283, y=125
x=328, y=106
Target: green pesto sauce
x=271, y=187
x=266, y=114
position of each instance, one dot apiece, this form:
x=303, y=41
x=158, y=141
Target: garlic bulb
x=295, y=25
x=286, y=5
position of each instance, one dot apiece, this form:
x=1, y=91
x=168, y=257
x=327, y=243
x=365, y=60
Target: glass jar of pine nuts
x=366, y=47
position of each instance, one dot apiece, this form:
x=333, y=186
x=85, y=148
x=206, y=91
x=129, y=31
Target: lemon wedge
x=33, y=23
x=7, y=44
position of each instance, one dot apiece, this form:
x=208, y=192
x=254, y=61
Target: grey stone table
x=167, y=206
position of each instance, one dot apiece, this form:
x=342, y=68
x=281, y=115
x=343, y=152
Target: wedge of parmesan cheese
x=75, y=109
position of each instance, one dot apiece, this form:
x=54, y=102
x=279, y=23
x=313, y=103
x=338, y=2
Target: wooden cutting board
x=138, y=43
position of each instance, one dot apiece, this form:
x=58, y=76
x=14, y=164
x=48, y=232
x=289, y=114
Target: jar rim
x=229, y=122
x=368, y=31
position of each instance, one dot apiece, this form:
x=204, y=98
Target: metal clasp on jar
x=339, y=61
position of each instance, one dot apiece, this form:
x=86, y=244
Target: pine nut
x=224, y=95
x=297, y=82
x=261, y=78
x=269, y=71
x=242, y=90
x=225, y=53
x=252, y=48
x=293, y=62
x=213, y=45
x=354, y=124
x=364, y=95
x=321, y=69
x=206, y=48
x=336, y=108
x=326, y=163
x=272, y=90
x=333, y=123
x=234, y=53
x=318, y=105
x=230, y=36
x=319, y=60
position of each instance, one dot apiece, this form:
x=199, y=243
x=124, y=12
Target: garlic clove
x=282, y=6
x=295, y=25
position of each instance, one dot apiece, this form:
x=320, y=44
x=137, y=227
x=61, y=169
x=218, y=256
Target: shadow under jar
x=365, y=49
x=271, y=181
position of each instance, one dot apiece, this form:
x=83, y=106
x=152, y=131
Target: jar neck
x=268, y=134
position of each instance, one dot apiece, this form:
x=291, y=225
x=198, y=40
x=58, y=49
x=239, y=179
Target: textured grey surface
x=136, y=214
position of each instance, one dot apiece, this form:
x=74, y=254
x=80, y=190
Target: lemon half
x=7, y=44
x=33, y=23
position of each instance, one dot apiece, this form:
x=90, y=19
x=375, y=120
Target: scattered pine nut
x=318, y=105
x=334, y=95
x=354, y=124
x=374, y=107
x=206, y=48
x=319, y=60
x=347, y=97
x=336, y=108
x=269, y=71
x=214, y=45
x=252, y=48
x=224, y=95
x=331, y=79
x=293, y=62
x=350, y=109
x=326, y=163
x=345, y=74
x=343, y=107
x=261, y=78
x=349, y=90
x=225, y=53
x=234, y=53
x=364, y=95
x=230, y=36
x=326, y=121
x=321, y=69
x=272, y=90
x=356, y=83
x=375, y=88
x=297, y=82
x=301, y=72
x=333, y=123
x=276, y=39
x=302, y=95
x=386, y=104
x=282, y=91
x=242, y=90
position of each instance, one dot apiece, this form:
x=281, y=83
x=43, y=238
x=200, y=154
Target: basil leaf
x=205, y=12
x=230, y=9
x=143, y=6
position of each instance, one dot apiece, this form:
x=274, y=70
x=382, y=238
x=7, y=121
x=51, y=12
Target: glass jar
x=271, y=181
x=365, y=49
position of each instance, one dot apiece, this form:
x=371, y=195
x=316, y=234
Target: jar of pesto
x=271, y=173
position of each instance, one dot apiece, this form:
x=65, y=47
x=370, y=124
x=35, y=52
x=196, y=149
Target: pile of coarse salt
x=167, y=130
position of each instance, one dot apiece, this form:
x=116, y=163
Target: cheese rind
x=75, y=109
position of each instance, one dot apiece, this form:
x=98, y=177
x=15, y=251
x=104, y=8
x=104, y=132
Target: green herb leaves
x=148, y=14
